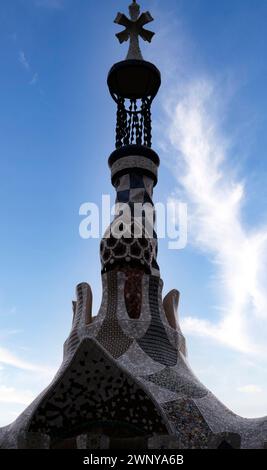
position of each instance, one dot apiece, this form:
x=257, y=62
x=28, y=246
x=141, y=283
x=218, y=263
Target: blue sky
x=56, y=132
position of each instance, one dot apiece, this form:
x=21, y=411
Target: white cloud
x=10, y=359
x=250, y=389
x=34, y=79
x=20, y=382
x=26, y=65
x=23, y=60
x=11, y=395
x=216, y=200
x=8, y=413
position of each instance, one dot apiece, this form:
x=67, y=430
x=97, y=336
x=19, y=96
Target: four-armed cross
x=134, y=28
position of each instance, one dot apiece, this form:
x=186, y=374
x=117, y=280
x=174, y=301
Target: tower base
x=125, y=381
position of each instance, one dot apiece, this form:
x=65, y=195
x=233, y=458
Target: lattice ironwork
x=133, y=122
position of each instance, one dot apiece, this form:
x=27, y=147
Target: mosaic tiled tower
x=125, y=380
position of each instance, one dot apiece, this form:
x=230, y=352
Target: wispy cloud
x=8, y=312
x=8, y=414
x=216, y=198
x=251, y=388
x=11, y=395
x=23, y=60
x=18, y=389
x=34, y=79
x=27, y=66
x=10, y=359
x=20, y=382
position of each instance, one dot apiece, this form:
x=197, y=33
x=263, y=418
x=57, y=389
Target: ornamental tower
x=125, y=381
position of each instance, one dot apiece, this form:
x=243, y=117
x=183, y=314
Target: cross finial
x=134, y=28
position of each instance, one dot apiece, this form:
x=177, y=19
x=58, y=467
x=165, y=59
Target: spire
x=134, y=82
x=131, y=241
x=134, y=27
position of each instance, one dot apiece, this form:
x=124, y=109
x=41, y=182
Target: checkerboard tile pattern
x=131, y=189
x=134, y=187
